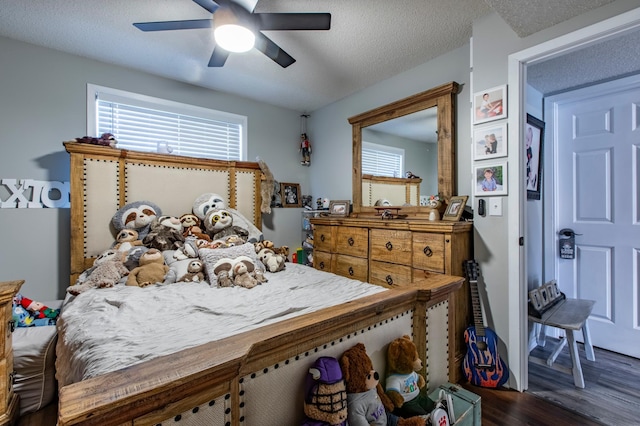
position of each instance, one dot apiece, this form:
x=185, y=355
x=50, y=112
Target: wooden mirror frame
x=443, y=97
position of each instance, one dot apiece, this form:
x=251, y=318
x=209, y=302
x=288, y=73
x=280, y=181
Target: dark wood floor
x=611, y=395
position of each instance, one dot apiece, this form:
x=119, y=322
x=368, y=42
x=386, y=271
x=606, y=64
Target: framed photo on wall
x=490, y=141
x=490, y=104
x=455, y=208
x=490, y=179
x=290, y=194
x=533, y=141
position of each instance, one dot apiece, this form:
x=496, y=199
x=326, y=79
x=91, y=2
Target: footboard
x=257, y=377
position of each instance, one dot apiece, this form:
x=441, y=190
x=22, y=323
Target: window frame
x=388, y=150
x=145, y=101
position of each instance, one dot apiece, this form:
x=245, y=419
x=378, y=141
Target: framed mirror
x=426, y=118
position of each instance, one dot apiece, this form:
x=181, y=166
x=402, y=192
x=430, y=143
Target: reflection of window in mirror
x=381, y=160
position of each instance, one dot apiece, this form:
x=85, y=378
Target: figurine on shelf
x=305, y=147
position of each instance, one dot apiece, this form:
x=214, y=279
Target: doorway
x=518, y=63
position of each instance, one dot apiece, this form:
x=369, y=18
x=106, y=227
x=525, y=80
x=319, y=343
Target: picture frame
x=339, y=208
x=490, y=141
x=533, y=143
x=490, y=179
x=290, y=194
x=490, y=104
x=455, y=208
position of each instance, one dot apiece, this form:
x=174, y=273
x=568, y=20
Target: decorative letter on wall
x=36, y=194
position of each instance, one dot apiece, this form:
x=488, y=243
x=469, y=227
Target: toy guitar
x=482, y=366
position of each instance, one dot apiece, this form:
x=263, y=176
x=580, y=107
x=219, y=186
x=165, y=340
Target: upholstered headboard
x=103, y=179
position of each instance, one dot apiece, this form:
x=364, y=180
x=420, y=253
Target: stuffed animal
x=188, y=251
x=283, y=250
x=240, y=271
x=273, y=262
x=137, y=215
x=126, y=240
x=195, y=272
x=266, y=187
x=152, y=269
x=210, y=201
x=325, y=401
x=191, y=227
x=106, y=139
x=165, y=233
x=366, y=401
x=404, y=384
x=29, y=313
x=107, y=270
x=241, y=276
x=37, y=309
x=219, y=225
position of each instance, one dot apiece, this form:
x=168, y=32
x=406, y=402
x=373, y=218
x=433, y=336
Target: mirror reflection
x=404, y=147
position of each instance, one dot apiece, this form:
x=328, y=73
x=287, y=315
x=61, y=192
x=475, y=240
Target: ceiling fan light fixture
x=234, y=38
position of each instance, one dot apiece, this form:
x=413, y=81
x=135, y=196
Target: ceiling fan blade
x=273, y=51
x=293, y=21
x=174, y=25
x=208, y=5
x=218, y=57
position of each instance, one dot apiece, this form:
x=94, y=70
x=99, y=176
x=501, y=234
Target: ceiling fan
x=225, y=9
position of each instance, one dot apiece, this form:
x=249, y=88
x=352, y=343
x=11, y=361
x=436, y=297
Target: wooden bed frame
x=253, y=378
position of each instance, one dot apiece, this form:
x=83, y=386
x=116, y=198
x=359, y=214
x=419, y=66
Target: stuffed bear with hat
x=367, y=404
x=405, y=387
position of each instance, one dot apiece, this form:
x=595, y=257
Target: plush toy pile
x=367, y=402
x=30, y=313
x=154, y=248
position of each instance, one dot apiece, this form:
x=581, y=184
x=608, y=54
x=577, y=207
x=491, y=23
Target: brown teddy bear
x=367, y=403
x=152, y=269
x=404, y=384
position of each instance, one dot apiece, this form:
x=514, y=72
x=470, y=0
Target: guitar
x=482, y=365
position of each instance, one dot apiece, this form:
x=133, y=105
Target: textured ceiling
x=369, y=40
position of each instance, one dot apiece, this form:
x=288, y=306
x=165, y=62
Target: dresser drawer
x=352, y=267
x=389, y=245
x=323, y=237
x=352, y=241
x=322, y=261
x=389, y=275
x=428, y=251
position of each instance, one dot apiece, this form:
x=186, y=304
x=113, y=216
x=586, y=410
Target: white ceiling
x=369, y=40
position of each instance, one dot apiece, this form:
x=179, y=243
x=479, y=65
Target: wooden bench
x=570, y=315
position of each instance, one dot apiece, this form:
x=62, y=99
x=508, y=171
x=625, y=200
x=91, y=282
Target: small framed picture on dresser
x=339, y=208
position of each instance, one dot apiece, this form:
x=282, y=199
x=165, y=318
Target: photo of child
x=490, y=104
x=491, y=180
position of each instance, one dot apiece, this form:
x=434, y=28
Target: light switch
x=495, y=206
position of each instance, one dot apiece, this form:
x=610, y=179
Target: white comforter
x=104, y=330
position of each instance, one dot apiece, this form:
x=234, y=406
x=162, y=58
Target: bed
x=253, y=375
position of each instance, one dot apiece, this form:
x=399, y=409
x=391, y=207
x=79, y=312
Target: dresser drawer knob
x=12, y=325
x=389, y=246
x=427, y=251
x=389, y=280
x=351, y=241
x=12, y=378
x=351, y=270
x=322, y=238
x=321, y=265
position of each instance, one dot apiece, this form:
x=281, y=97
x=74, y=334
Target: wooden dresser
x=8, y=399
x=394, y=253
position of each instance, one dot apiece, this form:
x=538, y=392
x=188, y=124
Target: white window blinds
x=382, y=160
x=144, y=123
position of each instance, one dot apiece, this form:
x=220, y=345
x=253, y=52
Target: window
x=381, y=160
x=144, y=123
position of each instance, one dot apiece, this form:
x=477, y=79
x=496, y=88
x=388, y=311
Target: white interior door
x=597, y=142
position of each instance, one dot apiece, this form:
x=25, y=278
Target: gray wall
x=43, y=95
x=493, y=42
x=332, y=132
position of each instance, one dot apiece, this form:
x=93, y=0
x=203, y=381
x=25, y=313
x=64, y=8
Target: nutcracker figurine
x=305, y=145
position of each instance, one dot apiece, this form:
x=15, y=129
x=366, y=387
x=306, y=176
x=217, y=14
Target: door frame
x=517, y=80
